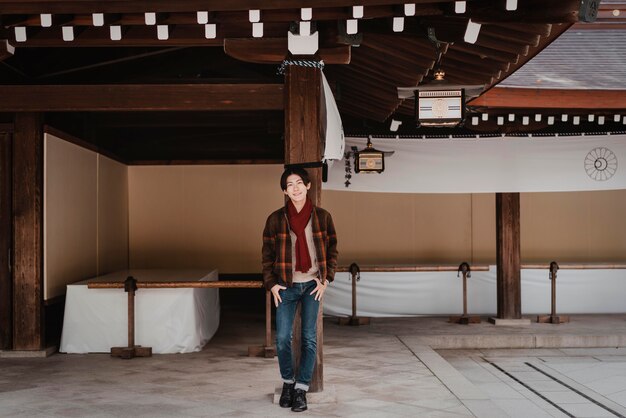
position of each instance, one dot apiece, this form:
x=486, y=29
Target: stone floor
x=393, y=367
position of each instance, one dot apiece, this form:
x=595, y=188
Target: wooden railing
x=131, y=285
x=464, y=268
x=552, y=267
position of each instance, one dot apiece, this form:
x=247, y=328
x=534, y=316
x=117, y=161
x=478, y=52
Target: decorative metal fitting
x=130, y=284
x=300, y=63
x=464, y=267
x=554, y=267
x=355, y=271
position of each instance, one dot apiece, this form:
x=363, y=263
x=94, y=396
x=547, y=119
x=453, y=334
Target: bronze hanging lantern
x=369, y=160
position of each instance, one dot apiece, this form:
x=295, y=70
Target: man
x=299, y=260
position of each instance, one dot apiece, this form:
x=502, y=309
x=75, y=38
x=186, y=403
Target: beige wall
x=201, y=216
x=70, y=215
x=85, y=215
x=213, y=216
x=101, y=216
x=112, y=215
x=581, y=227
x=388, y=228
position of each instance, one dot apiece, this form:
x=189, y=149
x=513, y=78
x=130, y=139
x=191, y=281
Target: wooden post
x=553, y=304
x=6, y=282
x=28, y=329
x=508, y=256
x=267, y=350
x=303, y=145
x=131, y=318
x=355, y=274
x=553, y=318
x=464, y=294
x=465, y=319
x=131, y=350
x=353, y=296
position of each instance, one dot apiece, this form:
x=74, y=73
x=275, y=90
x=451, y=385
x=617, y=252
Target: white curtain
x=488, y=165
x=441, y=293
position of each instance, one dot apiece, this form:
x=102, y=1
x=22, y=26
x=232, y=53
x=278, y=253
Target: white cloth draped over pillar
x=491, y=165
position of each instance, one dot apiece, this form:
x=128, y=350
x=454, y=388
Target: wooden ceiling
x=364, y=69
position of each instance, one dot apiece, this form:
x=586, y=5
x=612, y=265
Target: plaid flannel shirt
x=276, y=252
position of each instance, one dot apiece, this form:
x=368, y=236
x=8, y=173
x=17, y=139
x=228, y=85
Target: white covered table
x=168, y=320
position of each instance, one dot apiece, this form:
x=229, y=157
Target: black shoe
x=286, y=396
x=299, y=400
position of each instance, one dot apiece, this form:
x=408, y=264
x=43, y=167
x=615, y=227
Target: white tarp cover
x=168, y=320
x=334, y=140
x=441, y=293
x=488, y=165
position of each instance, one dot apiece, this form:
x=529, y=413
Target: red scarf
x=297, y=223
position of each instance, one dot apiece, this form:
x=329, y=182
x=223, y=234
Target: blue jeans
x=285, y=313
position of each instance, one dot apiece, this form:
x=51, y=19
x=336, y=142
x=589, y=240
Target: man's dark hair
x=298, y=171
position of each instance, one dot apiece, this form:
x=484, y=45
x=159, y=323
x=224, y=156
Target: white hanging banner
x=489, y=165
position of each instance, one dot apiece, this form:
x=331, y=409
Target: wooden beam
x=507, y=34
x=274, y=50
x=508, y=256
x=6, y=238
x=272, y=119
x=127, y=97
x=484, y=52
x=529, y=11
x=484, y=64
x=132, y=6
x=28, y=329
x=132, y=36
x=507, y=97
x=541, y=29
x=402, y=79
x=487, y=41
x=206, y=162
x=396, y=44
x=303, y=144
x=408, y=60
x=82, y=143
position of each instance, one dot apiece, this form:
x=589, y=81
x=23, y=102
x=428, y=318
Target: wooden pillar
x=28, y=325
x=6, y=238
x=303, y=144
x=508, y=255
